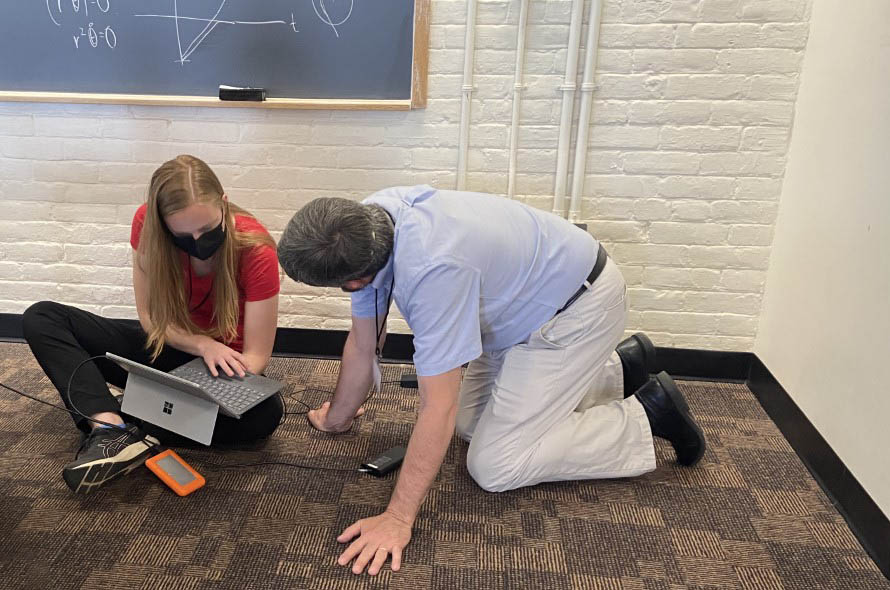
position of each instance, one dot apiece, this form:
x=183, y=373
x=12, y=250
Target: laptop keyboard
x=233, y=395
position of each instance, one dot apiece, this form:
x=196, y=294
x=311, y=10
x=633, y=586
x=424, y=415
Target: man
x=536, y=308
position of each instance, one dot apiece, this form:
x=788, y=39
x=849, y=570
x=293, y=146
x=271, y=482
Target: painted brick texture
x=692, y=115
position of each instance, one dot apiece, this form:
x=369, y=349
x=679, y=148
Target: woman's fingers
x=211, y=366
x=225, y=366
x=241, y=365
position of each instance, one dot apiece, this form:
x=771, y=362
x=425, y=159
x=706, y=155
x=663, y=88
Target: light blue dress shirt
x=473, y=272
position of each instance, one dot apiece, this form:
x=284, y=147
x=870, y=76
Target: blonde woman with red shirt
x=206, y=282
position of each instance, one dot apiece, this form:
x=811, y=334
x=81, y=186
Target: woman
x=205, y=277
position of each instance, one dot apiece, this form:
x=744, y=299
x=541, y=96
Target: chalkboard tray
x=335, y=54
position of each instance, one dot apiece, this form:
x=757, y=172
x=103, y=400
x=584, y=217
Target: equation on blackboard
x=294, y=49
x=332, y=13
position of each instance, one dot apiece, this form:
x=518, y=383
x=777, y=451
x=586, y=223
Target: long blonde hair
x=177, y=184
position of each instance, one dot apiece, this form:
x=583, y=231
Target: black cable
x=308, y=407
x=211, y=465
x=284, y=463
x=75, y=412
x=36, y=399
x=73, y=409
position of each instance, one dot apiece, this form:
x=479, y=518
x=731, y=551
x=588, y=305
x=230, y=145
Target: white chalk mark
x=49, y=10
x=326, y=19
x=110, y=37
x=178, y=40
x=218, y=21
x=211, y=24
x=196, y=42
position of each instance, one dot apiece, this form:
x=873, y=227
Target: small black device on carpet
x=408, y=381
x=384, y=463
x=236, y=93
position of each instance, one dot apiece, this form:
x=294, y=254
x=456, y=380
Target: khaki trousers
x=552, y=408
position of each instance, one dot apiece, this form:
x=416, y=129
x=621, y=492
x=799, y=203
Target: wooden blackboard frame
x=419, y=73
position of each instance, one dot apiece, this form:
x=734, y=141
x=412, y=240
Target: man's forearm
x=356, y=377
x=429, y=443
x=426, y=450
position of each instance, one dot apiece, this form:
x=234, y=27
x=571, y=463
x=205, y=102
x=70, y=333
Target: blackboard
x=311, y=52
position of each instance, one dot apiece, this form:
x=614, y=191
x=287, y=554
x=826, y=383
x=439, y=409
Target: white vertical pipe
x=517, y=94
x=466, y=95
x=568, y=103
x=578, y=171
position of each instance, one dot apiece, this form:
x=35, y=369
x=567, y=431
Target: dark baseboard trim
x=329, y=344
x=11, y=327
x=706, y=365
x=868, y=523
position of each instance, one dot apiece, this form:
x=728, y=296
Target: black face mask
x=205, y=246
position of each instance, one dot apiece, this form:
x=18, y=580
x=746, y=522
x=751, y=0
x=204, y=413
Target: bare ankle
x=109, y=417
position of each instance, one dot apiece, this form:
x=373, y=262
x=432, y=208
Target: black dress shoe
x=670, y=419
x=637, y=355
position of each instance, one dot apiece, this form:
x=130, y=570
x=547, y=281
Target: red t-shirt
x=257, y=279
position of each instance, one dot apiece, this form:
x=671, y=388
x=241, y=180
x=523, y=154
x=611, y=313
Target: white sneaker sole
x=89, y=476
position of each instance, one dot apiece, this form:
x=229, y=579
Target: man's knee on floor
x=35, y=317
x=488, y=469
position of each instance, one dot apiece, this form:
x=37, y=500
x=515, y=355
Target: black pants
x=61, y=337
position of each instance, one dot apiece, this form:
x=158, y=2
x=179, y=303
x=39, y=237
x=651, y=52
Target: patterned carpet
x=748, y=517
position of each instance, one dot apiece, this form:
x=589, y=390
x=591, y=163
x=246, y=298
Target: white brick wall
x=691, y=122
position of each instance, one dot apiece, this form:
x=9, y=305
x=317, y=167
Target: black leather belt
x=601, y=257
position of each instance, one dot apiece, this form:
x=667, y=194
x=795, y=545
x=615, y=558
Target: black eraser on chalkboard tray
x=235, y=93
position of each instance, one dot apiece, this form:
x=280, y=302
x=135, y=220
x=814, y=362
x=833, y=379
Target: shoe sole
x=87, y=477
x=679, y=401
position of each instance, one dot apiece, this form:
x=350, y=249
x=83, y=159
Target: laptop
x=187, y=399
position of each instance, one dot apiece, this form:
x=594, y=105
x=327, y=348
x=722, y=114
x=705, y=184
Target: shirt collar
x=383, y=276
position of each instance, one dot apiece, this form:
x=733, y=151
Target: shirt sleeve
x=443, y=312
x=136, y=227
x=259, y=273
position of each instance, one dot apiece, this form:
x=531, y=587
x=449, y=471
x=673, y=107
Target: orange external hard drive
x=175, y=472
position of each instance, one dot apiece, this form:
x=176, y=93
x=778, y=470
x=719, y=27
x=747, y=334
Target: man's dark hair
x=331, y=240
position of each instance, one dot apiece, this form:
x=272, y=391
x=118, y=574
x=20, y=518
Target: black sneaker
x=106, y=453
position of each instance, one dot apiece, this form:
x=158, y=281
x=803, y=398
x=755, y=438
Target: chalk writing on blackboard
x=322, y=8
x=332, y=13
x=95, y=35
x=321, y=11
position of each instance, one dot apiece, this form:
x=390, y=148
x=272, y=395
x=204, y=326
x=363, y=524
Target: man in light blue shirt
x=536, y=308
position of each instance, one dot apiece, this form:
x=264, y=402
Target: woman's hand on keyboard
x=216, y=354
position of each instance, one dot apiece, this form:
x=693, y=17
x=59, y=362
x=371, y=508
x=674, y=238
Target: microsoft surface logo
x=168, y=408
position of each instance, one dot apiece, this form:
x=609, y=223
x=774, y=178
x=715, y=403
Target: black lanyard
x=380, y=327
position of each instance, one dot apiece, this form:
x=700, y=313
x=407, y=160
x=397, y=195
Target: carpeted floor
x=748, y=517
